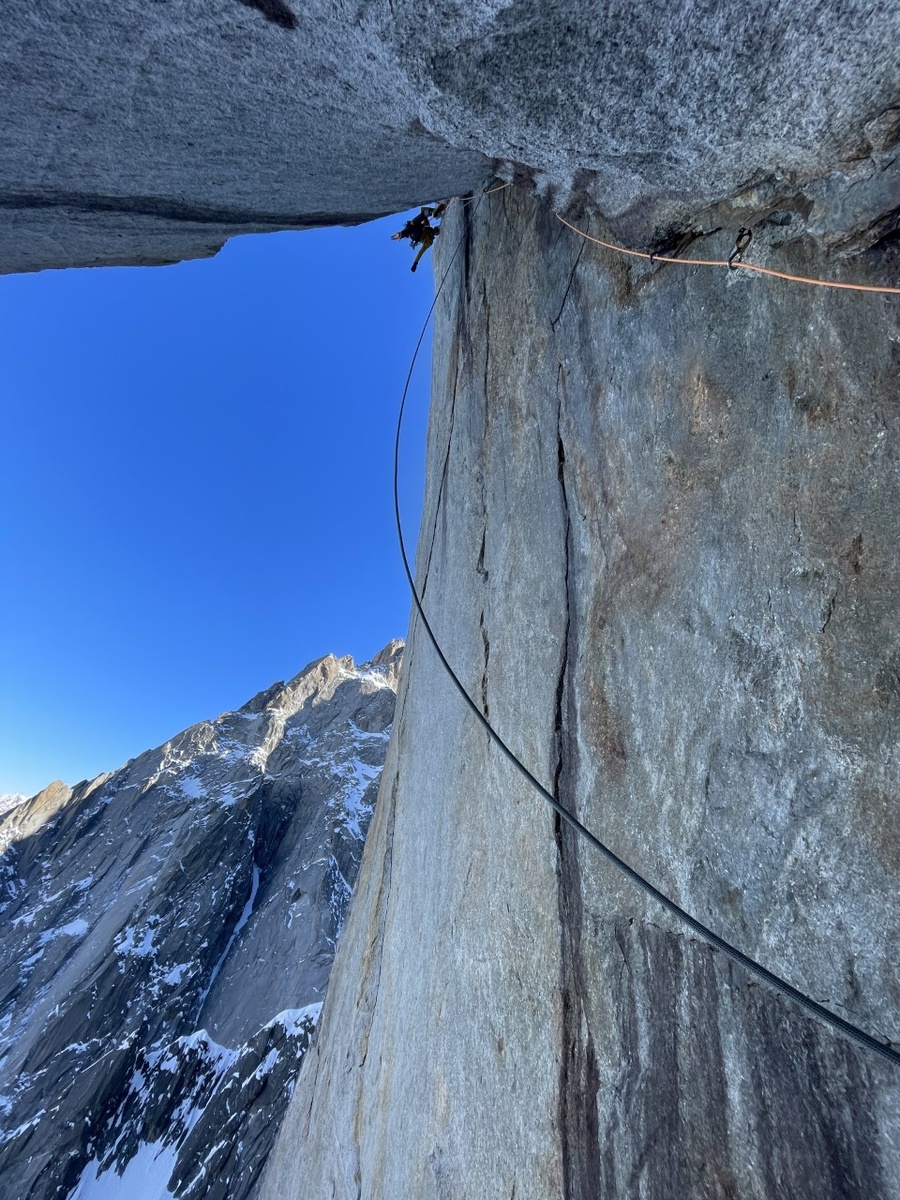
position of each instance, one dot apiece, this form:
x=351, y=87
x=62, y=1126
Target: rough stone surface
x=148, y=132
x=661, y=548
x=660, y=545
x=167, y=934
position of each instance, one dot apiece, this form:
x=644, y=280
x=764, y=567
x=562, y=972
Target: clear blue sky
x=195, y=492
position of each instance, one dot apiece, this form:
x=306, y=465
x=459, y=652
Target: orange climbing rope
x=489, y=192
x=722, y=262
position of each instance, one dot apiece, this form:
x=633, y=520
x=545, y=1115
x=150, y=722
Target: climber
x=420, y=231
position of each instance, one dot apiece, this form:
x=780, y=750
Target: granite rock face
x=148, y=133
x=660, y=547
x=134, y=132
x=167, y=934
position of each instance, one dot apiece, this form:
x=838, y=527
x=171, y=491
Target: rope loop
x=812, y=1007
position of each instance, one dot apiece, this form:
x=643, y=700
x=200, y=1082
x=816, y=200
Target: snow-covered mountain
x=166, y=936
x=10, y=800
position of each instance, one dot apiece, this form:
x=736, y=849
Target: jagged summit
x=10, y=800
x=321, y=676
x=167, y=934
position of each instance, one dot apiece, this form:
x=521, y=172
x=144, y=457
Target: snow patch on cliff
x=146, y=1177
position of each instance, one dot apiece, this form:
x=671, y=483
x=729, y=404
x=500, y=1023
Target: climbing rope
x=734, y=262
x=477, y=199
x=853, y=1032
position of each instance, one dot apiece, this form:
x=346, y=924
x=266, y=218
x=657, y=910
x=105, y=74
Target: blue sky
x=195, y=485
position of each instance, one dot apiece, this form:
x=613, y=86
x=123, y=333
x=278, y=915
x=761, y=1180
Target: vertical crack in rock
x=487, y=343
x=829, y=609
x=439, y=505
x=467, y=247
x=460, y=355
x=485, y=640
x=571, y=280
x=480, y=567
x=579, y=1076
x=376, y=943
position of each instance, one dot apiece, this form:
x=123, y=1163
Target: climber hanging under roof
x=420, y=231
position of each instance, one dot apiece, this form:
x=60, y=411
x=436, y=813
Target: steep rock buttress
x=660, y=548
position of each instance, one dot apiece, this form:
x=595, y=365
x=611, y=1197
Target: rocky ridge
x=167, y=935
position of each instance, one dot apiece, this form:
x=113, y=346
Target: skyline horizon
x=196, y=484
x=210, y=717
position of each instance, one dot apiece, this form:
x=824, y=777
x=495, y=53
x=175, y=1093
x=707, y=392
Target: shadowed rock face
x=135, y=132
x=660, y=547
x=167, y=934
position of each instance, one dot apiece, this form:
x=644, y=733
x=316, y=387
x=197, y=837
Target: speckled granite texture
x=148, y=132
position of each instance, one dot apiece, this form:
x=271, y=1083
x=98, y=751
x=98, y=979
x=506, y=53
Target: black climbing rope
x=884, y=1049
